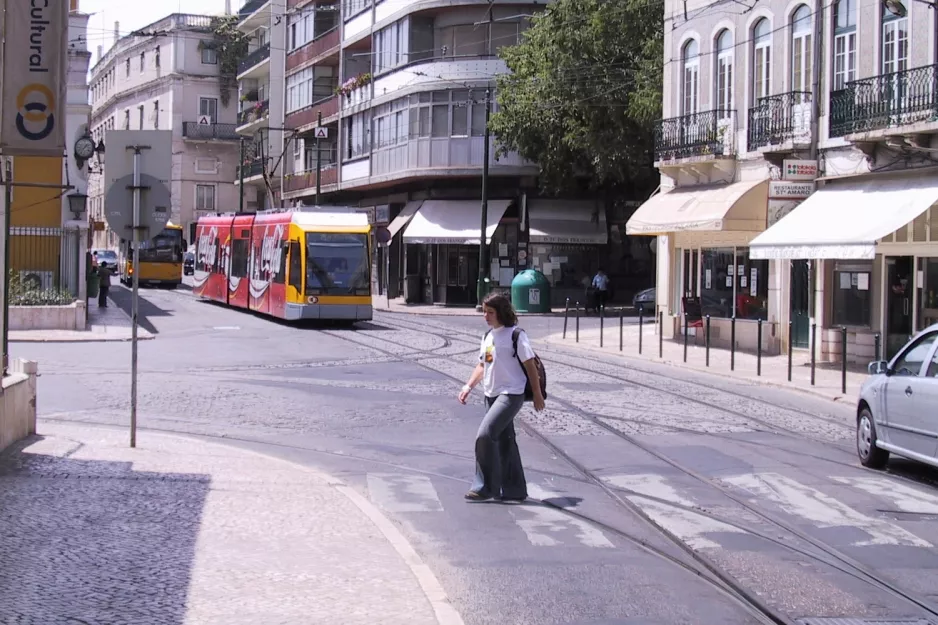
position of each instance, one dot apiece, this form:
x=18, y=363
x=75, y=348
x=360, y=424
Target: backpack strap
x=514, y=339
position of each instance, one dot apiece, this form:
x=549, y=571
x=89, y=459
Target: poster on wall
x=707, y=281
x=753, y=282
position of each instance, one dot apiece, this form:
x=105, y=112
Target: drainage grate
x=863, y=621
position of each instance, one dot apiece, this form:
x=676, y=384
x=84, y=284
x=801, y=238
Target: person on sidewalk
x=601, y=284
x=499, y=472
x=104, y=275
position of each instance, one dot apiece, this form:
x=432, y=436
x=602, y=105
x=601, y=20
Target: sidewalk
x=399, y=306
x=774, y=368
x=180, y=531
x=104, y=324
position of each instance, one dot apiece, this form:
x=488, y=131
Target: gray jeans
x=498, y=460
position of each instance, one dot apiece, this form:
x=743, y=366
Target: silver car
x=898, y=408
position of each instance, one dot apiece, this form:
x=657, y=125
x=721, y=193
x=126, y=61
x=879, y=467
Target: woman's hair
x=504, y=312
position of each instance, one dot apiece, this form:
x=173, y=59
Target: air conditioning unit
x=38, y=280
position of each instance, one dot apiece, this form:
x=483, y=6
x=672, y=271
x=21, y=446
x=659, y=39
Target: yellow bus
x=160, y=259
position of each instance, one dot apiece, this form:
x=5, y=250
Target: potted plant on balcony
x=353, y=83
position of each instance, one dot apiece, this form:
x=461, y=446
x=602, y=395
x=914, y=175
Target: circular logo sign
x=312, y=299
x=35, y=104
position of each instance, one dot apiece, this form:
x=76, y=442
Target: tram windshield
x=337, y=264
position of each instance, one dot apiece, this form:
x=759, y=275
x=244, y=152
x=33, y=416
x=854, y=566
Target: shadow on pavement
x=88, y=541
x=123, y=297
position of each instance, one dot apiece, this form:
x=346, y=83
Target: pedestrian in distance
x=601, y=284
x=104, y=276
x=507, y=364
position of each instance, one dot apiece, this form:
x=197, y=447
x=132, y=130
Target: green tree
x=584, y=93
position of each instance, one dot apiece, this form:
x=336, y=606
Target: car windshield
x=108, y=256
x=166, y=247
x=337, y=264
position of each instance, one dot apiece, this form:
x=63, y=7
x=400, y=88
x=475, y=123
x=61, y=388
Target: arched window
x=761, y=59
x=724, y=73
x=801, y=50
x=845, y=43
x=895, y=42
x=690, y=55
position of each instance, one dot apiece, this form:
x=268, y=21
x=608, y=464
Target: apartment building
x=261, y=97
x=166, y=77
x=797, y=180
x=390, y=97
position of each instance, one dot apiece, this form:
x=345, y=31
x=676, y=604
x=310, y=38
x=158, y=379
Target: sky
x=133, y=15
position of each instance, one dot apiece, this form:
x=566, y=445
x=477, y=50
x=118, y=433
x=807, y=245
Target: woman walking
x=499, y=473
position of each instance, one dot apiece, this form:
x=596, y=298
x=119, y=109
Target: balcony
x=208, y=132
x=780, y=123
x=312, y=51
x=308, y=116
x=699, y=137
x=253, y=168
x=903, y=102
x=254, y=59
x=356, y=96
x=253, y=113
x=306, y=180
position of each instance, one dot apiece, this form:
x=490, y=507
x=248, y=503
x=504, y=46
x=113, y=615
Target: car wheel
x=870, y=455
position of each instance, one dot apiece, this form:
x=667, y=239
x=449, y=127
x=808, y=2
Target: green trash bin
x=530, y=292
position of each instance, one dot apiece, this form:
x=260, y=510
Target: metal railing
x=225, y=132
x=36, y=265
x=777, y=119
x=254, y=58
x=254, y=168
x=254, y=112
x=885, y=101
x=698, y=134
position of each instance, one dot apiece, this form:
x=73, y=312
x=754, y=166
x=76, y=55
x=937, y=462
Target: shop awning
x=844, y=219
x=738, y=206
x=403, y=217
x=456, y=222
x=565, y=221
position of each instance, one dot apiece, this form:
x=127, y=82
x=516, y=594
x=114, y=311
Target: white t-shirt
x=504, y=375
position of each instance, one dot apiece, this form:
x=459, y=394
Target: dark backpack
x=541, y=374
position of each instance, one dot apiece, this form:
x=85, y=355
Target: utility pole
x=318, y=158
x=481, y=291
x=241, y=178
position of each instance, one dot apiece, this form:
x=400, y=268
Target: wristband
x=466, y=388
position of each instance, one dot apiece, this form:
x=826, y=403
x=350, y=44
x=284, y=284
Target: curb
x=791, y=387
x=140, y=337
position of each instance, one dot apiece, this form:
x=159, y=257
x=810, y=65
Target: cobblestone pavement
x=179, y=531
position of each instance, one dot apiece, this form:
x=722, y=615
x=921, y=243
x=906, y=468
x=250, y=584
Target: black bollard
x=789, y=350
x=876, y=347
x=708, y=340
x=685, y=337
x=602, y=317
x=733, y=343
x=641, y=315
x=843, y=359
x=759, y=349
x=661, y=334
x=621, y=324
x=813, y=350
x=578, y=322
x=566, y=311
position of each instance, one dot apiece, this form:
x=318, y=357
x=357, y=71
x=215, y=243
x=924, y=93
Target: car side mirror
x=878, y=367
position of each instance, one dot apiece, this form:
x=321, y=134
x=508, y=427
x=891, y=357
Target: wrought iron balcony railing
x=885, y=101
x=254, y=58
x=253, y=112
x=224, y=132
x=253, y=168
x=777, y=119
x=699, y=134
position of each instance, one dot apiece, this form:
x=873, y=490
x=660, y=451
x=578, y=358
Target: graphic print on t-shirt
x=489, y=354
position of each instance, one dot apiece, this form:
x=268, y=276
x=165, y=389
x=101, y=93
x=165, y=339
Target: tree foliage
x=584, y=93
x=231, y=46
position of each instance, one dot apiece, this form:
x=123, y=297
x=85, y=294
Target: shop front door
x=800, y=304
x=899, y=284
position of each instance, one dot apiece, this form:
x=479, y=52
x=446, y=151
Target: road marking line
x=906, y=498
x=651, y=485
x=398, y=492
x=823, y=510
x=542, y=521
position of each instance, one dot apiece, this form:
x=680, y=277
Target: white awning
x=565, y=221
x=844, y=220
x=738, y=206
x=456, y=222
x=403, y=217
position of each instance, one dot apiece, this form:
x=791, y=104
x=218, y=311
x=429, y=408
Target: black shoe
x=474, y=496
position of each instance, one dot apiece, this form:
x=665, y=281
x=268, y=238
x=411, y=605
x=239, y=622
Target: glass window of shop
x=567, y=266
x=852, y=296
x=927, y=282
x=729, y=282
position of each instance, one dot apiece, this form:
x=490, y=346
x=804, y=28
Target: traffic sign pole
x=136, y=291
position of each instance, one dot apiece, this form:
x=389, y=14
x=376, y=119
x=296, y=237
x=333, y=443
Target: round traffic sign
x=155, y=207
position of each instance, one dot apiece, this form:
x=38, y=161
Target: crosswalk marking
x=690, y=527
x=906, y=498
x=403, y=493
x=539, y=523
x=823, y=510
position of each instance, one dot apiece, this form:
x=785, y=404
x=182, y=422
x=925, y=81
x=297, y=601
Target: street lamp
x=77, y=203
x=897, y=8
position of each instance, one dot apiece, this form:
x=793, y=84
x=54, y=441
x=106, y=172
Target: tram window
x=281, y=276
x=239, y=258
x=296, y=266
